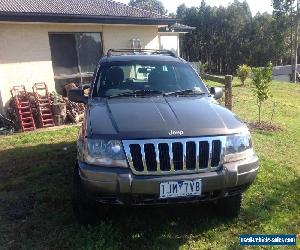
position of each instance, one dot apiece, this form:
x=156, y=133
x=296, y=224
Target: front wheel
x=230, y=206
x=84, y=209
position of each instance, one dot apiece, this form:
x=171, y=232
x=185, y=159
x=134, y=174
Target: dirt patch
x=264, y=126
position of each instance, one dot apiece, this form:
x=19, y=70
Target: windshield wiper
x=137, y=93
x=185, y=92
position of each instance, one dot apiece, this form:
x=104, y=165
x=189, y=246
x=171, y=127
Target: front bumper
x=120, y=186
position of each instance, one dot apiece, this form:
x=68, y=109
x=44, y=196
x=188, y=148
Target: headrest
x=114, y=75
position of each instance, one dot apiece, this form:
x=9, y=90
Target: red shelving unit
x=42, y=100
x=23, y=108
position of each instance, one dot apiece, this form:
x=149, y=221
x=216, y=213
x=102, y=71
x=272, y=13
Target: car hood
x=157, y=117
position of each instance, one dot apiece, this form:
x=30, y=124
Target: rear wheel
x=230, y=206
x=85, y=210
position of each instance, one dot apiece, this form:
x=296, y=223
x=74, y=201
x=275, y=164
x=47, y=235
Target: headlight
x=238, y=147
x=102, y=152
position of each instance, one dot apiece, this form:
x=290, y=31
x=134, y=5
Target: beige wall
x=25, y=56
x=120, y=36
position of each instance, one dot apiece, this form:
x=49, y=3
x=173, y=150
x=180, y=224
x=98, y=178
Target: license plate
x=173, y=189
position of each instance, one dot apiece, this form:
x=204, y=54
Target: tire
x=84, y=209
x=230, y=206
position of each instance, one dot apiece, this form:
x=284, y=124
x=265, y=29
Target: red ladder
x=42, y=100
x=23, y=108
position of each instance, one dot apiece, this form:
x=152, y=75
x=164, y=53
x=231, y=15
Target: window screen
x=74, y=53
x=89, y=51
x=63, y=53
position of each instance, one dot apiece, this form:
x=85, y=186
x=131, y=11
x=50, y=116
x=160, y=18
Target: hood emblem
x=176, y=132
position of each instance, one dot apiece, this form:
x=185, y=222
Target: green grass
x=36, y=177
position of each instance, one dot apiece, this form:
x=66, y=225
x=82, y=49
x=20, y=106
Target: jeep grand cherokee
x=153, y=133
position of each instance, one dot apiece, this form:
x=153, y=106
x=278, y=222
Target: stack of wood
x=64, y=110
x=59, y=109
x=72, y=112
x=11, y=113
x=75, y=111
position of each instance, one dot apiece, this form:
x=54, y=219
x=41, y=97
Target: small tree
x=261, y=81
x=202, y=68
x=243, y=72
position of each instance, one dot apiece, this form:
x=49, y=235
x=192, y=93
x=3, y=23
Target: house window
x=74, y=56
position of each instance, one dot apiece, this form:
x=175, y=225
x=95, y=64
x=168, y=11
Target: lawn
x=36, y=177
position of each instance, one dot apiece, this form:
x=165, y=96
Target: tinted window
x=63, y=53
x=166, y=77
x=74, y=53
x=89, y=51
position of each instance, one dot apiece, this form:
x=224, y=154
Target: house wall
x=120, y=36
x=25, y=56
x=169, y=41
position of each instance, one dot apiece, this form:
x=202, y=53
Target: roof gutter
x=63, y=18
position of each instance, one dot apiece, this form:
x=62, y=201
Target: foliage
x=226, y=37
x=202, y=68
x=150, y=5
x=243, y=72
x=283, y=6
x=261, y=81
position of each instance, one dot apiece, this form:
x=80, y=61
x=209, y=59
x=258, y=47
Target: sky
x=255, y=5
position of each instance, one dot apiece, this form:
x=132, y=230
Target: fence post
x=228, y=91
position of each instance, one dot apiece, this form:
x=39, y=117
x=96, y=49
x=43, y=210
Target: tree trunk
x=259, y=112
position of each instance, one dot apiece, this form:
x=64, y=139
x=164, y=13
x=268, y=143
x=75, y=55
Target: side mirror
x=216, y=92
x=76, y=95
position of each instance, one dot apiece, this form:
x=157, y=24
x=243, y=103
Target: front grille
x=172, y=156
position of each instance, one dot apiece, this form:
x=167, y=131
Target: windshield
x=119, y=78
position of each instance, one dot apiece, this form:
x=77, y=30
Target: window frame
x=80, y=74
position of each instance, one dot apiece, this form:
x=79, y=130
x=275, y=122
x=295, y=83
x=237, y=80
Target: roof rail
x=145, y=51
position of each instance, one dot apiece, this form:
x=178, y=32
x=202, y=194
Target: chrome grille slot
x=203, y=154
x=190, y=155
x=174, y=156
x=177, y=155
x=137, y=160
x=164, y=158
x=150, y=156
x=216, y=153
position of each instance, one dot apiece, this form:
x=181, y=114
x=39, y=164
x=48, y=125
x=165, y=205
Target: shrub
x=202, y=67
x=243, y=72
x=261, y=81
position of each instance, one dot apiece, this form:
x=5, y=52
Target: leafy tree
x=284, y=13
x=202, y=68
x=226, y=37
x=181, y=11
x=150, y=5
x=283, y=7
x=262, y=43
x=243, y=72
x=261, y=81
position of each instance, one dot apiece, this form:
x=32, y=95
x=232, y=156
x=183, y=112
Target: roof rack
x=144, y=51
